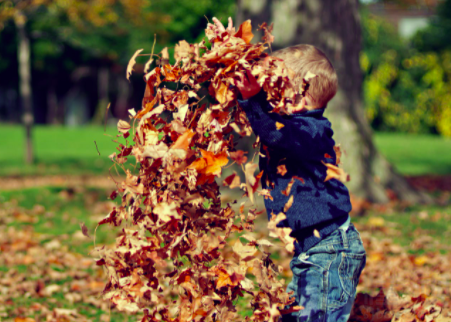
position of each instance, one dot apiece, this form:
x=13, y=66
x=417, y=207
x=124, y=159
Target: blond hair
x=304, y=58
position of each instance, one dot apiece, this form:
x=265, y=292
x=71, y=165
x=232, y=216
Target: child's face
x=304, y=104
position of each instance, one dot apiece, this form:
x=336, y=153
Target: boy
x=329, y=255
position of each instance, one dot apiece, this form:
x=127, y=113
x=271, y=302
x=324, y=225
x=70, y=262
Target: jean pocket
x=349, y=271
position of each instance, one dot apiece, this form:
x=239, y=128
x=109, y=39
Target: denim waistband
x=341, y=236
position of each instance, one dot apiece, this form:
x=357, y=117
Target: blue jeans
x=326, y=276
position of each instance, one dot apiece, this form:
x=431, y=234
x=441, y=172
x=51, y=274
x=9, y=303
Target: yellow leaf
x=376, y=222
x=279, y=125
x=420, y=260
x=316, y=233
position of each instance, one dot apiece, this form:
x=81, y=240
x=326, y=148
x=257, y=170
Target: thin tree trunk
x=102, y=87
x=52, y=104
x=334, y=27
x=25, y=85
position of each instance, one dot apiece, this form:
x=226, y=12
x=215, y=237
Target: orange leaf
x=287, y=190
x=245, y=32
x=334, y=172
x=148, y=107
x=210, y=163
x=279, y=125
x=282, y=169
x=183, y=140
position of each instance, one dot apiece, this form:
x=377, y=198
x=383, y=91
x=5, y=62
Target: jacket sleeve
x=304, y=138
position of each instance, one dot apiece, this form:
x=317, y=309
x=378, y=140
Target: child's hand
x=248, y=85
x=219, y=28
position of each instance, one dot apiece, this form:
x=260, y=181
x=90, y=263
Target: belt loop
x=344, y=238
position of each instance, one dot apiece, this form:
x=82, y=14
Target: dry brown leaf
x=84, y=229
x=132, y=63
x=123, y=126
x=334, y=172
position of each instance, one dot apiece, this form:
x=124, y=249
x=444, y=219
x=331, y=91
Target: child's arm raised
x=303, y=138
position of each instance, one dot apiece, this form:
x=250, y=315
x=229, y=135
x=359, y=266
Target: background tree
x=76, y=20
x=334, y=27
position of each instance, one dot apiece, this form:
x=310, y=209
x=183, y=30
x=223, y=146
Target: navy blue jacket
x=301, y=144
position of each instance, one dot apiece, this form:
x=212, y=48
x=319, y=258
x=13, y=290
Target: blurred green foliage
x=407, y=84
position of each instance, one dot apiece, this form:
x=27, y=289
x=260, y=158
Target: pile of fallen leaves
x=168, y=262
x=43, y=278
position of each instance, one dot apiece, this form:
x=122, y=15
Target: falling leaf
x=232, y=181
x=132, y=112
x=316, y=233
x=239, y=157
x=245, y=32
x=309, y=76
x=183, y=140
x=338, y=154
x=181, y=114
x=210, y=163
x=156, y=151
x=183, y=50
x=132, y=63
x=282, y=169
x=147, y=65
x=250, y=179
x=334, y=172
x=164, y=56
x=165, y=211
x=288, y=204
x=84, y=229
x=287, y=190
x=123, y=126
x=265, y=193
x=279, y=125
x=245, y=252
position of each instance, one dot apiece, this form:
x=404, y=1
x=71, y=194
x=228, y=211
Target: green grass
x=58, y=150
x=408, y=224
x=414, y=154
x=64, y=211
x=63, y=150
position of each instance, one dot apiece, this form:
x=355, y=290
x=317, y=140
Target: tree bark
x=334, y=27
x=52, y=106
x=23, y=52
x=103, y=89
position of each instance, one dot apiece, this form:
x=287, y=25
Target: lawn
x=51, y=263
x=58, y=150
x=62, y=150
x=416, y=154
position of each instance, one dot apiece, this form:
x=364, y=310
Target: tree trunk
x=23, y=53
x=52, y=106
x=334, y=27
x=102, y=87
